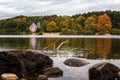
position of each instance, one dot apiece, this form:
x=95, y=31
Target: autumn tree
x=64, y=24
x=80, y=20
x=43, y=25
x=91, y=24
x=52, y=27
x=104, y=24
x=77, y=28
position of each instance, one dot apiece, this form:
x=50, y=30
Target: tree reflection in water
x=92, y=48
x=103, y=47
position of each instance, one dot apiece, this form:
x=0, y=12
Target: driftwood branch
x=56, y=49
x=61, y=44
x=52, y=44
x=48, y=46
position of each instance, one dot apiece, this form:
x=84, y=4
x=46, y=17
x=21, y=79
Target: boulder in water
x=72, y=62
x=53, y=72
x=104, y=71
x=42, y=77
x=23, y=63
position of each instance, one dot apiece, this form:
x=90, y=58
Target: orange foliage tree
x=104, y=24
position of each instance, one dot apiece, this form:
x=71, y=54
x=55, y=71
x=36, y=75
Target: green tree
x=22, y=26
x=11, y=26
x=68, y=31
x=115, y=31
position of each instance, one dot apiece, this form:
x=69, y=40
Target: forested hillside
x=91, y=23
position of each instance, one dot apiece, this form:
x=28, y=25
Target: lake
x=90, y=48
x=94, y=49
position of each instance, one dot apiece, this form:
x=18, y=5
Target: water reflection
x=51, y=44
x=115, y=49
x=33, y=42
x=14, y=43
x=92, y=48
x=103, y=47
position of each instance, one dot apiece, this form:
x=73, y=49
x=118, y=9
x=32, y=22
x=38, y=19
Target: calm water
x=59, y=49
x=91, y=48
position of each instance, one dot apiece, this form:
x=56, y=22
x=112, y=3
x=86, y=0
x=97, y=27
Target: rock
x=72, y=62
x=42, y=77
x=53, y=72
x=23, y=63
x=119, y=74
x=23, y=79
x=104, y=71
x=64, y=78
x=9, y=76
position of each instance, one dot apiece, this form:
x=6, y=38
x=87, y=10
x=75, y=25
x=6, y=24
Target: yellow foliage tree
x=63, y=24
x=80, y=20
x=91, y=22
x=51, y=27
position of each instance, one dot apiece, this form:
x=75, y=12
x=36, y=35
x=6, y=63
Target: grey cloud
x=4, y=3
x=99, y=7
x=48, y=7
x=58, y=2
x=8, y=15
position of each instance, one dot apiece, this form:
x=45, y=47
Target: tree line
x=91, y=23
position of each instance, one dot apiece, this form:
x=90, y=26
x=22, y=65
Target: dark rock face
x=42, y=77
x=75, y=62
x=53, y=72
x=104, y=71
x=23, y=63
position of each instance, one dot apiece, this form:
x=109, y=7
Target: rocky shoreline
x=19, y=65
x=23, y=63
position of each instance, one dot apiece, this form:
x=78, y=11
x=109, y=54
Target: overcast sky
x=11, y=8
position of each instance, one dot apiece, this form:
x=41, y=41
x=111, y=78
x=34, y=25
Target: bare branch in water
x=61, y=44
x=52, y=44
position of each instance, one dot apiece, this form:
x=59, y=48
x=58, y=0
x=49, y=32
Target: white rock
x=9, y=76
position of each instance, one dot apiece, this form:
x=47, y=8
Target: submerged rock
x=9, y=76
x=72, y=62
x=42, y=77
x=53, y=72
x=104, y=71
x=23, y=63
